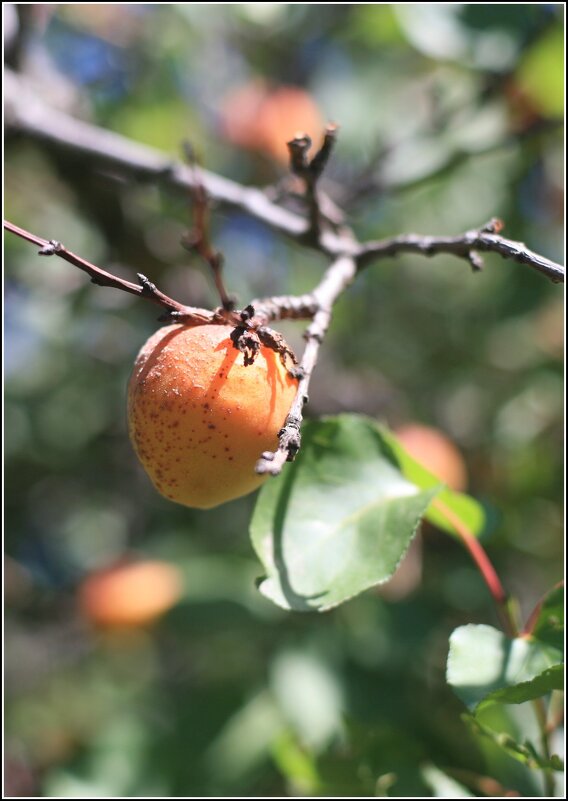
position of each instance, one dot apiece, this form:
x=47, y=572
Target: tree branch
x=335, y=280
x=465, y=246
x=310, y=170
x=144, y=288
x=26, y=112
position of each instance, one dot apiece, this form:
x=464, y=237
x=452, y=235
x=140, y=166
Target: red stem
x=477, y=553
x=534, y=615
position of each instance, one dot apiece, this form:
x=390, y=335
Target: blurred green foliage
x=449, y=114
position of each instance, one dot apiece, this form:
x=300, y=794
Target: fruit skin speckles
x=195, y=412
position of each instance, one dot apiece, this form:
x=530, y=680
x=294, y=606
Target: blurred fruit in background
x=130, y=594
x=258, y=117
x=436, y=452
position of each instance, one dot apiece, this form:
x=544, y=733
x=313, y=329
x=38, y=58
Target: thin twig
x=198, y=239
x=265, y=310
x=310, y=170
x=337, y=277
x=556, y=718
x=144, y=288
x=285, y=307
x=541, y=715
x=463, y=246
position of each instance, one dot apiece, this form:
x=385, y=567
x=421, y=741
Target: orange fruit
x=199, y=418
x=260, y=118
x=130, y=594
x=436, y=452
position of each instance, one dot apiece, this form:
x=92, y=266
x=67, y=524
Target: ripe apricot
x=258, y=117
x=130, y=594
x=436, y=452
x=199, y=418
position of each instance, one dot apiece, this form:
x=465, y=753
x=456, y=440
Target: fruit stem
x=483, y=564
x=534, y=615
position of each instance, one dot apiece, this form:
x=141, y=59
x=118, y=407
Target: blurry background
x=449, y=115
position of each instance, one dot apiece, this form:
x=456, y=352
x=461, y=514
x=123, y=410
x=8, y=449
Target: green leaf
x=522, y=752
x=309, y=697
x=469, y=511
x=245, y=740
x=484, y=667
x=339, y=520
x=549, y=627
x=541, y=74
x=296, y=764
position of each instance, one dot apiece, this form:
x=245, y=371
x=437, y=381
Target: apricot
x=258, y=117
x=436, y=452
x=132, y=594
x=199, y=418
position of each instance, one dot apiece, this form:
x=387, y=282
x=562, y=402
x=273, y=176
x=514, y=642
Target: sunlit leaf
x=309, y=697
x=469, y=511
x=245, y=740
x=484, y=666
x=339, y=520
x=296, y=765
